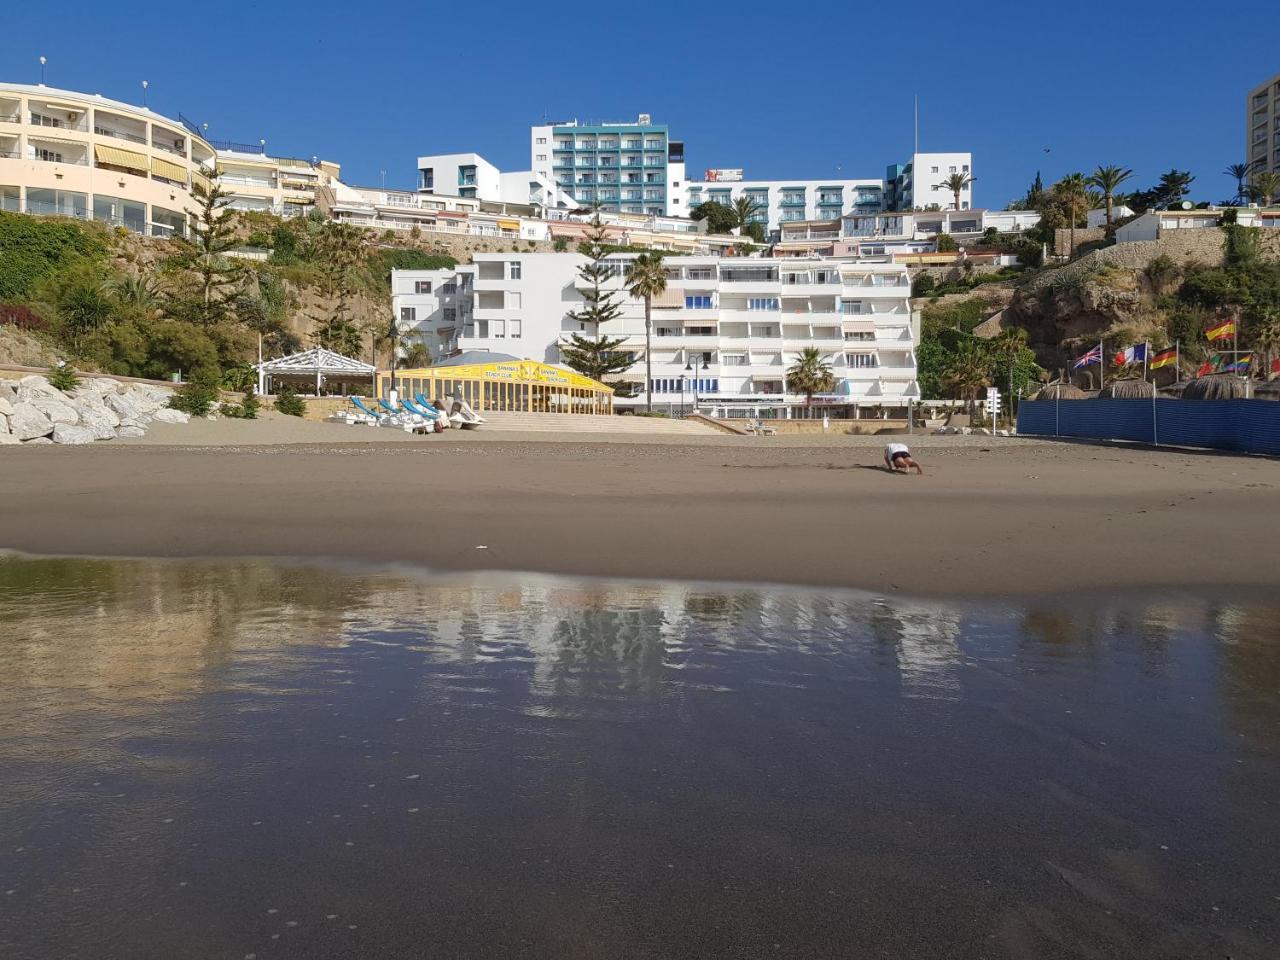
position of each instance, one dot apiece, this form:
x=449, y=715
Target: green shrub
x=31, y=248
x=245, y=410
x=196, y=396
x=289, y=403
x=922, y=284
x=63, y=377
x=947, y=243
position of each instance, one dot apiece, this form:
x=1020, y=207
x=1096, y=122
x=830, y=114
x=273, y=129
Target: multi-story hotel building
x=908, y=186
x=470, y=175
x=1262, y=126
x=627, y=167
x=724, y=333
x=82, y=155
x=784, y=201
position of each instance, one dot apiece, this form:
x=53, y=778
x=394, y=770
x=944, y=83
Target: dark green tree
x=596, y=356
x=218, y=276
x=720, y=218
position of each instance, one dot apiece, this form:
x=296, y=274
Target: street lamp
x=145, y=84
x=691, y=368
x=43, y=61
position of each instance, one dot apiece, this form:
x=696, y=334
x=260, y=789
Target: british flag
x=1093, y=356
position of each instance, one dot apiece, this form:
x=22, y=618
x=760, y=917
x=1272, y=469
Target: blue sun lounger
x=359, y=405
x=427, y=413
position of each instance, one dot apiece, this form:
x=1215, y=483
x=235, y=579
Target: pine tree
x=596, y=357
x=218, y=276
x=337, y=249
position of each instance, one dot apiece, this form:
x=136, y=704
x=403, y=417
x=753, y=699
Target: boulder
x=35, y=440
x=7, y=399
x=166, y=415
x=145, y=398
x=37, y=384
x=122, y=406
x=95, y=415
x=56, y=408
x=69, y=433
x=28, y=422
x=97, y=387
x=124, y=430
x=8, y=438
x=4, y=424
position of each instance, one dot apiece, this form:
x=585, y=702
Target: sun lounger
x=373, y=415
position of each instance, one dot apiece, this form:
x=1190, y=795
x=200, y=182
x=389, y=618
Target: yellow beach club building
x=495, y=381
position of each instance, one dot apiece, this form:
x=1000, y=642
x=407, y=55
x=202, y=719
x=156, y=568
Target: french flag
x=1135, y=354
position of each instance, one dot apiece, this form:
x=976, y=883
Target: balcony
x=792, y=201
x=79, y=124
x=118, y=134
x=173, y=148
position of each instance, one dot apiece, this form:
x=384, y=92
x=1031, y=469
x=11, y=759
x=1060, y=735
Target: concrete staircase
x=588, y=424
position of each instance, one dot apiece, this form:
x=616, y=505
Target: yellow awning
x=509, y=224
x=201, y=179
x=170, y=171
x=120, y=158
x=305, y=201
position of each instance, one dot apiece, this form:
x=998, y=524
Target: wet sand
x=991, y=516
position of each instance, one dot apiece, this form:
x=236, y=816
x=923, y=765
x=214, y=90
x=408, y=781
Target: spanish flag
x=1225, y=329
x=1163, y=359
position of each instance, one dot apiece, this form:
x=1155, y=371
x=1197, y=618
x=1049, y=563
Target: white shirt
x=891, y=448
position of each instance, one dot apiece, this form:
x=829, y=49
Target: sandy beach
x=992, y=516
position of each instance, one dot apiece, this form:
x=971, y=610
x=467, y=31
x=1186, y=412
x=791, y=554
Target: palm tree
x=1266, y=342
x=1265, y=186
x=811, y=374
x=1240, y=173
x=1107, y=179
x=1073, y=192
x=1008, y=345
x=968, y=370
x=956, y=183
x=745, y=211
x=416, y=354
x=645, y=280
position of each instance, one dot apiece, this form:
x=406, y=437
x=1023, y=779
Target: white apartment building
x=785, y=201
x=915, y=184
x=727, y=329
x=471, y=176
x=1262, y=126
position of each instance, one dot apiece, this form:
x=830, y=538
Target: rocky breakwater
x=32, y=410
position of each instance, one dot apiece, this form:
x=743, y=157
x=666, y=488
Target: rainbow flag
x=1240, y=366
x=1163, y=359
x=1225, y=329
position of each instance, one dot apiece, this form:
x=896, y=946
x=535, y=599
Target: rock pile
x=32, y=410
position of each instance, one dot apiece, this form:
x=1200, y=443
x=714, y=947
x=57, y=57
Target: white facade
x=917, y=185
x=459, y=175
x=730, y=327
x=285, y=186
x=782, y=201
x=1098, y=218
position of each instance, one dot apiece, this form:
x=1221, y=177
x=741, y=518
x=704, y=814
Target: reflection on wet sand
x=317, y=761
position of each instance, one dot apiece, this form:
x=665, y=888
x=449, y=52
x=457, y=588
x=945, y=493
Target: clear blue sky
x=782, y=90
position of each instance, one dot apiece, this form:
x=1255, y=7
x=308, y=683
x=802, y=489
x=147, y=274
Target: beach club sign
x=517, y=371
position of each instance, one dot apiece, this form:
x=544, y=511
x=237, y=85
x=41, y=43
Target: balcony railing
x=75, y=161
x=169, y=148
x=10, y=118
x=119, y=135
x=10, y=155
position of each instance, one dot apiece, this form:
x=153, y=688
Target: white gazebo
x=314, y=368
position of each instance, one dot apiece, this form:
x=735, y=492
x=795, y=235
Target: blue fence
x=1247, y=426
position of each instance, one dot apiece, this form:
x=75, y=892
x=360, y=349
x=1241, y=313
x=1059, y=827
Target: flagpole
x=1146, y=349
x=1102, y=367
x=1177, y=362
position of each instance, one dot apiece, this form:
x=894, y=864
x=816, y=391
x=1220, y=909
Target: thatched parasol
x=1061, y=391
x=1127, y=390
x=1215, y=386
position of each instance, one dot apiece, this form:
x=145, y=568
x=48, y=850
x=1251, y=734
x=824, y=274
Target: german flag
x=1163, y=359
x=1220, y=332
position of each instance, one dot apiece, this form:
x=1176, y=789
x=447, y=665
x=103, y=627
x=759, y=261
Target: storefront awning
x=120, y=158
x=170, y=171
x=509, y=224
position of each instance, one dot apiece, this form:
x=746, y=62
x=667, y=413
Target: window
x=762, y=303
x=541, y=156
x=450, y=314
x=498, y=329
x=516, y=326
x=422, y=286
x=428, y=178
x=48, y=155
x=850, y=306
x=863, y=360
x=933, y=169
x=513, y=300
x=697, y=302
x=408, y=316
x=514, y=273
x=965, y=168
x=541, y=140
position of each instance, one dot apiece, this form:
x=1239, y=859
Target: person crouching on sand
x=898, y=457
